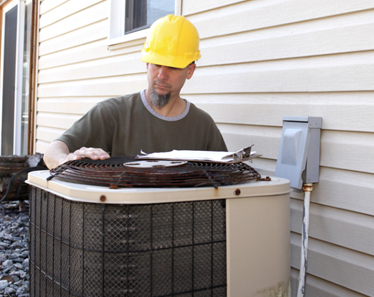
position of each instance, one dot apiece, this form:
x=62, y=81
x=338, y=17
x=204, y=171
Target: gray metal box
x=299, y=152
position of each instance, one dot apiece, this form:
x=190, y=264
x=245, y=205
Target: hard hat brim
x=168, y=61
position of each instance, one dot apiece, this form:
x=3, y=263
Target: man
x=154, y=120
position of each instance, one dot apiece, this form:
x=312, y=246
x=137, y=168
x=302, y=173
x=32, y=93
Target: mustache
x=160, y=82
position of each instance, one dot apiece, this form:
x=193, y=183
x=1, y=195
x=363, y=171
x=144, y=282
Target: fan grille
x=113, y=173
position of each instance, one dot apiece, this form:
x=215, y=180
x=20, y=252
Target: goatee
x=159, y=101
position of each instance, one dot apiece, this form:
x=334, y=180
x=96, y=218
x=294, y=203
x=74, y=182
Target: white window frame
x=19, y=76
x=116, y=35
x=18, y=71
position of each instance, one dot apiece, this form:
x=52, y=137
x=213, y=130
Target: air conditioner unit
x=89, y=240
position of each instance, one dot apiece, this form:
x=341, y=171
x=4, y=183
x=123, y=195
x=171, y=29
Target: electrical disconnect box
x=299, y=152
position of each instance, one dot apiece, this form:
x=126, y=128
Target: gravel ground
x=14, y=253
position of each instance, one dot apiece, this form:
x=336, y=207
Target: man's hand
x=84, y=152
x=57, y=153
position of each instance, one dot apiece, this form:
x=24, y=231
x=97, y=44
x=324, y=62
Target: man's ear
x=191, y=70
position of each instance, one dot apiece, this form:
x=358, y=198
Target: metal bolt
x=102, y=198
x=237, y=192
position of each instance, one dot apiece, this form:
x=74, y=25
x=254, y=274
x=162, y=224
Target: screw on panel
x=237, y=192
x=268, y=178
x=102, y=198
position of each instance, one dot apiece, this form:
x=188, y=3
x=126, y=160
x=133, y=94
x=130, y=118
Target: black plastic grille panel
x=85, y=249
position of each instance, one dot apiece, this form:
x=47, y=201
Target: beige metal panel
x=262, y=194
x=111, y=66
x=254, y=15
x=69, y=105
x=84, y=18
x=317, y=287
x=82, y=53
x=319, y=74
x=106, y=87
x=47, y=5
x=338, y=110
x=347, y=268
x=64, y=10
x=258, y=246
x=345, y=189
x=327, y=223
x=95, y=32
x=348, y=150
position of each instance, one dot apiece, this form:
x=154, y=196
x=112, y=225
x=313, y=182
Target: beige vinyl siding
x=76, y=69
x=320, y=287
x=261, y=60
x=266, y=59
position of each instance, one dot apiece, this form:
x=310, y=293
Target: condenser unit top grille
x=119, y=172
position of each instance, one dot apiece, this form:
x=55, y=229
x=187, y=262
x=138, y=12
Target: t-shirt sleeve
x=216, y=143
x=94, y=129
x=207, y=135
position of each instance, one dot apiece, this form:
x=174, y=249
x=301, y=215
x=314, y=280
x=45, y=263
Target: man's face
x=166, y=82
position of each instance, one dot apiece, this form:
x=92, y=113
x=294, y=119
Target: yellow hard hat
x=172, y=41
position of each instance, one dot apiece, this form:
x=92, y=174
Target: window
x=140, y=14
x=129, y=20
x=14, y=77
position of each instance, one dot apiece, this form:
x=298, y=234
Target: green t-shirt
x=123, y=126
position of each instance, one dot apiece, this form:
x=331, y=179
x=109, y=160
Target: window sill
x=133, y=39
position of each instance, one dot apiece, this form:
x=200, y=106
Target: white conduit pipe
x=307, y=188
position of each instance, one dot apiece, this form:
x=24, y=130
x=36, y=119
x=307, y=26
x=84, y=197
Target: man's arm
x=58, y=153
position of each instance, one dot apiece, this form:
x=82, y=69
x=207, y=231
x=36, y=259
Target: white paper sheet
x=202, y=156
